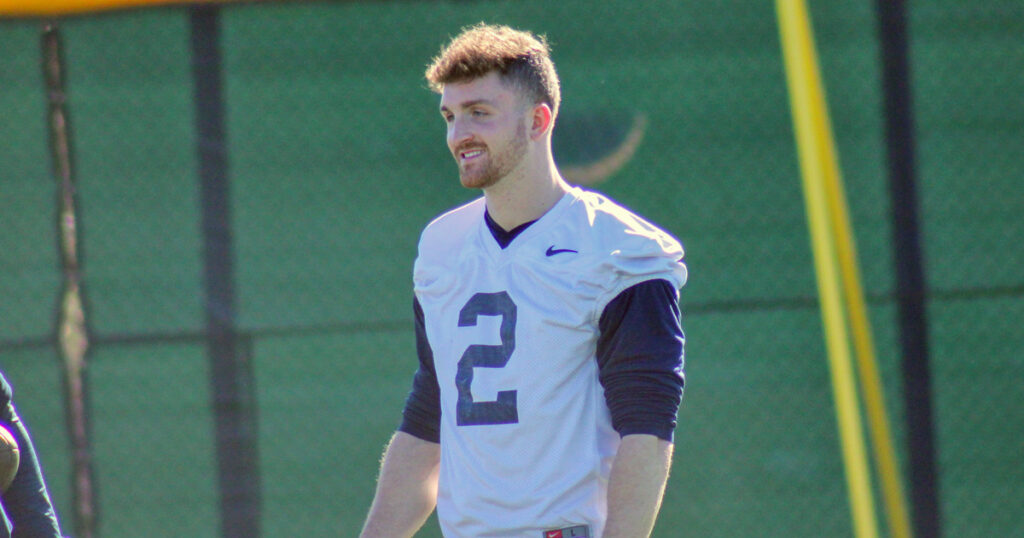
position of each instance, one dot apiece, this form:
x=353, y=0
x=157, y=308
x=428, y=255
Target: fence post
x=230, y=366
x=910, y=280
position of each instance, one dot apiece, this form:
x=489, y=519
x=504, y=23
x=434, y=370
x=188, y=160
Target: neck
x=525, y=194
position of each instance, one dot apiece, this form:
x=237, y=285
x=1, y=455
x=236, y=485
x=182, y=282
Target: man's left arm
x=639, y=473
x=640, y=355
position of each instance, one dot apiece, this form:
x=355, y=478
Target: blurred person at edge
x=25, y=507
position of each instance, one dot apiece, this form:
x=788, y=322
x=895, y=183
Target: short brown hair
x=522, y=59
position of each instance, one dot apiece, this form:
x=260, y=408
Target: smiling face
x=487, y=129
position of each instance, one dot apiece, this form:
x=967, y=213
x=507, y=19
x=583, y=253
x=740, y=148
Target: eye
x=477, y=113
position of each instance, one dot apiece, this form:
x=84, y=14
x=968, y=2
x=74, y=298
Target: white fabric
x=550, y=469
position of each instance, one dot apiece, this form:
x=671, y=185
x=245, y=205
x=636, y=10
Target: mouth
x=470, y=154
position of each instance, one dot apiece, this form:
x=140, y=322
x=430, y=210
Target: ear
x=542, y=120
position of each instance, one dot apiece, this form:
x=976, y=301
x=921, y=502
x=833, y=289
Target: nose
x=458, y=133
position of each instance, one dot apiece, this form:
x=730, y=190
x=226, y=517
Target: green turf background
x=336, y=159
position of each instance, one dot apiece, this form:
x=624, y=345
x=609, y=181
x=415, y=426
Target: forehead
x=488, y=88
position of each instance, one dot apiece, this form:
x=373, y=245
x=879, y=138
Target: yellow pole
x=807, y=103
x=863, y=345
x=32, y=8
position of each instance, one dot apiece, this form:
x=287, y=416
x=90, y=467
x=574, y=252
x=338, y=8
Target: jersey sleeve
x=422, y=414
x=634, y=251
x=640, y=359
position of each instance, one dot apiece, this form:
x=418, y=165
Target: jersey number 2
x=503, y=410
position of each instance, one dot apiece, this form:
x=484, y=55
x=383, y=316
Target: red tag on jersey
x=579, y=531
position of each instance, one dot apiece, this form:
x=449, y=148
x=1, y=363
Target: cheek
x=450, y=138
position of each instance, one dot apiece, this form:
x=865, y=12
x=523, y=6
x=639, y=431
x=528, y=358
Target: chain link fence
x=336, y=161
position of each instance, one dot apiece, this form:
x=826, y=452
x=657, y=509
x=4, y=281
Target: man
x=547, y=328
x=25, y=507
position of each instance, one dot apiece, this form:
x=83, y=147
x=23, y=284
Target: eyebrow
x=470, y=103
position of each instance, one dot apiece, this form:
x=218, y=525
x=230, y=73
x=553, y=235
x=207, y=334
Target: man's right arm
x=407, y=488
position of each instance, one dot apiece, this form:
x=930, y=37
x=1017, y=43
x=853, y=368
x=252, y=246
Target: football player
x=25, y=507
x=547, y=326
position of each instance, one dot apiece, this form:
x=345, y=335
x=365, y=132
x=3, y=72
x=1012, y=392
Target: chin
x=477, y=181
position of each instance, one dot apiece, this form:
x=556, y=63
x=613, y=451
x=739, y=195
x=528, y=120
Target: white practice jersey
x=526, y=437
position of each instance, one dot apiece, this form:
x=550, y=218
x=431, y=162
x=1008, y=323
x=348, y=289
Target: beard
x=494, y=166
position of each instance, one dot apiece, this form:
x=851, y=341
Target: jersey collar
x=523, y=233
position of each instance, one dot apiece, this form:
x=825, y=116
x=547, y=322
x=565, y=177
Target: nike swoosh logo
x=552, y=250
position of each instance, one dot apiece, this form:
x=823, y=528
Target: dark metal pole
x=910, y=279
x=230, y=366
x=72, y=326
